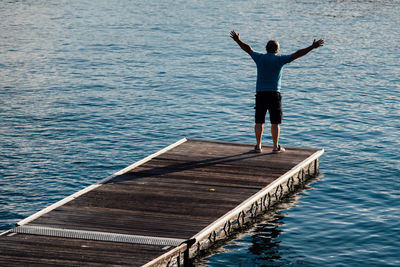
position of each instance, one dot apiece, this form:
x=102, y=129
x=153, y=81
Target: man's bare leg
x=275, y=135
x=258, y=130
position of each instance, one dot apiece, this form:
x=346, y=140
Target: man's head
x=272, y=47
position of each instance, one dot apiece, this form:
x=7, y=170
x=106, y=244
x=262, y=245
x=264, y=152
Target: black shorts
x=271, y=101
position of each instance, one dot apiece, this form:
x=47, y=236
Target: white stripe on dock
x=98, y=236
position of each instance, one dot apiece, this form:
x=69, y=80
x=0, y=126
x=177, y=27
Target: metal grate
x=98, y=236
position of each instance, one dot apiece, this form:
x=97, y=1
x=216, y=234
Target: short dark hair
x=272, y=46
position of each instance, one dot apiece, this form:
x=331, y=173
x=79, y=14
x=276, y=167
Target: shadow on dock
x=186, y=166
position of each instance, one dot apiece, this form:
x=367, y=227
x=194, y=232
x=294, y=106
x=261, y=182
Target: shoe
x=280, y=149
x=257, y=150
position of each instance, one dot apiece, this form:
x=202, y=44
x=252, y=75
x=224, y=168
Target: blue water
x=89, y=87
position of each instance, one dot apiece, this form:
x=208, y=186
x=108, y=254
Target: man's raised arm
x=236, y=37
x=305, y=51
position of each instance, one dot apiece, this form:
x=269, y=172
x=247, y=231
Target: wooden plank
x=198, y=147
x=32, y=250
x=85, y=213
x=127, y=222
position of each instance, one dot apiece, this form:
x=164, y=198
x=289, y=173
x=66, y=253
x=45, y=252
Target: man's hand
x=235, y=36
x=318, y=43
x=305, y=51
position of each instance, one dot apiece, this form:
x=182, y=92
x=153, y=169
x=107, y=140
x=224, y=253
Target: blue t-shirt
x=269, y=68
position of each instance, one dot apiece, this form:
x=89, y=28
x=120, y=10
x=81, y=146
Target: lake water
x=89, y=87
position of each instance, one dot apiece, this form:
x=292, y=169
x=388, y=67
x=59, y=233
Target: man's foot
x=257, y=149
x=280, y=149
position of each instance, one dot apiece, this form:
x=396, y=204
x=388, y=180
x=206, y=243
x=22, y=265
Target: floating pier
x=160, y=211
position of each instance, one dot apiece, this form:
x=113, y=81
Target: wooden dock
x=160, y=211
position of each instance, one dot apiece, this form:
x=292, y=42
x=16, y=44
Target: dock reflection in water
x=260, y=244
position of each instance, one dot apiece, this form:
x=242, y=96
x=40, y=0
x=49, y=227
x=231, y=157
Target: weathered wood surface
x=32, y=250
x=174, y=195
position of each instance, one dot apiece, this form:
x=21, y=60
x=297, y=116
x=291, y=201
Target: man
x=269, y=68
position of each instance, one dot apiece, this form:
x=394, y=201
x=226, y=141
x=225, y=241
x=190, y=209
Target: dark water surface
x=89, y=87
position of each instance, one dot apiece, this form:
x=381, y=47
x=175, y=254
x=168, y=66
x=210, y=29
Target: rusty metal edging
x=174, y=257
